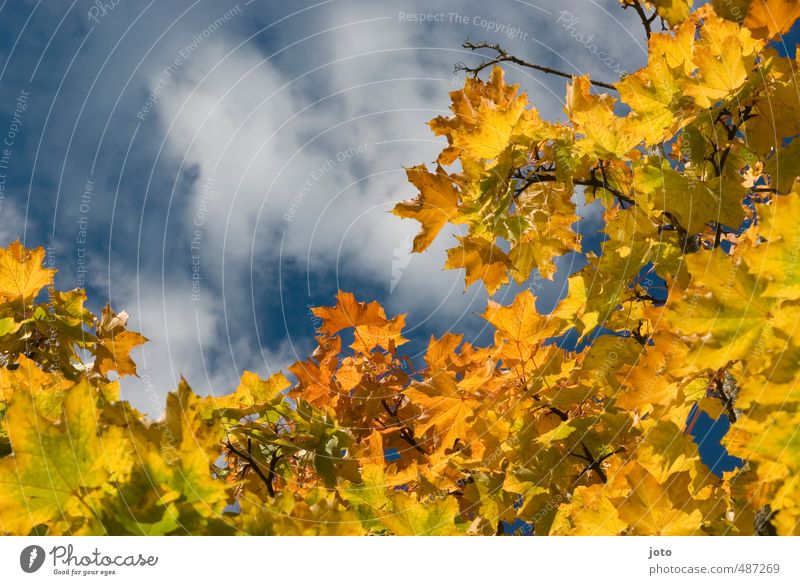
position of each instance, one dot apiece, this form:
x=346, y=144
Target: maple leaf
x=727, y=314
x=436, y=204
x=520, y=323
x=46, y=390
x=655, y=509
x=59, y=474
x=487, y=116
x=482, y=260
x=672, y=11
x=765, y=18
x=114, y=344
x=775, y=258
x=605, y=134
x=22, y=272
x=693, y=202
x=410, y=517
x=251, y=396
x=349, y=313
x=724, y=56
x=445, y=407
x=590, y=513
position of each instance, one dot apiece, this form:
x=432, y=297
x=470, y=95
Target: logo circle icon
x=31, y=558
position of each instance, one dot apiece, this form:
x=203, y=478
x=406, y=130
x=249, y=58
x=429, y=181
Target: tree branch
x=593, y=463
x=405, y=432
x=594, y=182
x=255, y=466
x=504, y=57
x=647, y=21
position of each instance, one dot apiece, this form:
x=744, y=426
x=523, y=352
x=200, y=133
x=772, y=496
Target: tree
x=693, y=304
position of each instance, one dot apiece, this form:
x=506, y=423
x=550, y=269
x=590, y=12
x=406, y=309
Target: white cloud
x=299, y=157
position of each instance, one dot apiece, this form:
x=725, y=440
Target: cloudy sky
x=216, y=168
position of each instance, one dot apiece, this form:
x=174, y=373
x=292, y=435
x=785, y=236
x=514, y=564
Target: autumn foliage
x=692, y=305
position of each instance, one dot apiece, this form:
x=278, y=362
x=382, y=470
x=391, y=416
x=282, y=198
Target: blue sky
x=216, y=168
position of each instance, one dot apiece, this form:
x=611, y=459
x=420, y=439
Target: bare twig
x=405, y=432
x=504, y=57
x=647, y=21
x=253, y=464
x=595, y=183
x=593, y=463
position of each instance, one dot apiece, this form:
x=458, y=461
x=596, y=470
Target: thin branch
x=594, y=182
x=405, y=432
x=408, y=437
x=271, y=477
x=727, y=399
x=504, y=57
x=255, y=467
x=594, y=463
x=647, y=21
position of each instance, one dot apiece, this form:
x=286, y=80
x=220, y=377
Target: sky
x=217, y=168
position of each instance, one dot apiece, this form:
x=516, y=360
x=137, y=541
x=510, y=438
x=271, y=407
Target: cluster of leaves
x=692, y=305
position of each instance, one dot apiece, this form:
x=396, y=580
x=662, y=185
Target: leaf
x=520, y=323
x=8, y=325
x=693, y=202
x=673, y=11
x=482, y=260
x=771, y=18
x=444, y=406
x=349, y=313
x=372, y=492
x=46, y=390
x=784, y=168
x=713, y=407
x=666, y=450
x=22, y=273
x=727, y=314
x=410, y=517
x=775, y=259
x=60, y=474
x=487, y=116
x=653, y=509
x=605, y=134
x=251, y=396
x=388, y=336
x=436, y=204
x=114, y=344
x=723, y=57
x=590, y=513
x=541, y=230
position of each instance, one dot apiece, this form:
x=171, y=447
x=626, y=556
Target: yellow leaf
x=436, y=204
x=482, y=260
x=653, y=509
x=60, y=474
x=410, y=517
x=487, y=116
x=724, y=57
x=605, y=135
x=444, y=406
x=771, y=18
x=114, y=344
x=22, y=274
x=673, y=11
x=520, y=323
x=589, y=513
x=348, y=313
x=693, y=202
